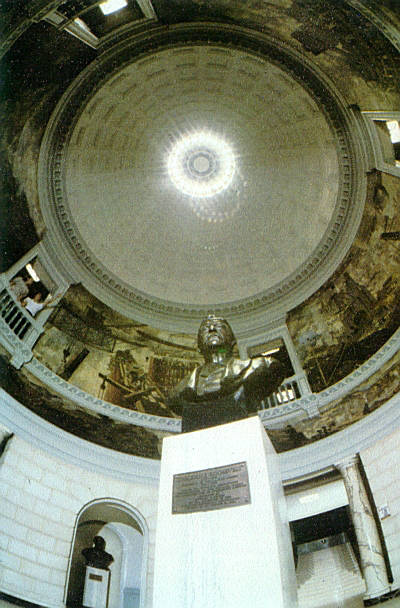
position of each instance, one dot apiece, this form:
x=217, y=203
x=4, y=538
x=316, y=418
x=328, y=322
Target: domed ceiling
x=199, y=176
x=194, y=166
x=183, y=246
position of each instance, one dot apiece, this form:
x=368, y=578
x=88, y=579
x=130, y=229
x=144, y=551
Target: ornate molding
x=67, y=447
x=325, y=454
x=21, y=353
x=304, y=462
x=83, y=399
x=307, y=406
x=311, y=404
x=246, y=313
x=351, y=461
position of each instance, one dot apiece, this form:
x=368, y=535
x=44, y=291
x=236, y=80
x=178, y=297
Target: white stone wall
x=41, y=497
x=382, y=466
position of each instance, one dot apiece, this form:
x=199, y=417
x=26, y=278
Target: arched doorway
x=125, y=532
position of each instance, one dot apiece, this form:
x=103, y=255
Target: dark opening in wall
x=329, y=524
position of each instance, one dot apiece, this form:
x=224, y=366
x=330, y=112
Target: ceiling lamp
x=201, y=164
x=111, y=6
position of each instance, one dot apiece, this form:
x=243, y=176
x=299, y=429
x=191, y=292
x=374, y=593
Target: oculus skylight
x=201, y=164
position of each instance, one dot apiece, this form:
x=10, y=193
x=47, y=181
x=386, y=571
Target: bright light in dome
x=201, y=164
x=112, y=5
x=394, y=129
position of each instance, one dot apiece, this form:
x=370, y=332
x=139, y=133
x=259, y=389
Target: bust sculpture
x=96, y=556
x=224, y=388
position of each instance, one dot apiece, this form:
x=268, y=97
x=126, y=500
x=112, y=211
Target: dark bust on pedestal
x=96, y=556
x=224, y=388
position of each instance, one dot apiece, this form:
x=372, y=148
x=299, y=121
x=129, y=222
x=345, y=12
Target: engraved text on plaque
x=210, y=489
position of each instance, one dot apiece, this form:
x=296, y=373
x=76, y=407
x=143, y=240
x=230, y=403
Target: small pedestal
x=222, y=534
x=95, y=594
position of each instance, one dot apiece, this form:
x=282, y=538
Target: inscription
x=95, y=577
x=211, y=489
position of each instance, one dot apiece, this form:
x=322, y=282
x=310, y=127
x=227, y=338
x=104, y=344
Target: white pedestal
x=95, y=591
x=234, y=556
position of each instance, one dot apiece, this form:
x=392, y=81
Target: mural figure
x=224, y=388
x=132, y=386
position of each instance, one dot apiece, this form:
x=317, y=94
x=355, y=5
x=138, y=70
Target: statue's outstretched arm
x=265, y=377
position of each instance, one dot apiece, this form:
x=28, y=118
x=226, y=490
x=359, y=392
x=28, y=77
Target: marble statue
x=224, y=388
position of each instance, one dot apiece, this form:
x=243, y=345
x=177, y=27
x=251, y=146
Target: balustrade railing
x=287, y=392
x=18, y=320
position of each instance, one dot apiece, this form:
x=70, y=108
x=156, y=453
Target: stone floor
x=389, y=604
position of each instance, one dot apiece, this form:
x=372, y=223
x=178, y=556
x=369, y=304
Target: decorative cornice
x=83, y=399
x=297, y=464
x=308, y=406
x=348, y=463
x=64, y=240
x=325, y=454
x=75, y=450
x=311, y=404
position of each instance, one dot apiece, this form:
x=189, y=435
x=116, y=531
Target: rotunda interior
x=165, y=160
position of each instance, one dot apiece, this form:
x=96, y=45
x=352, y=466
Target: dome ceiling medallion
x=199, y=177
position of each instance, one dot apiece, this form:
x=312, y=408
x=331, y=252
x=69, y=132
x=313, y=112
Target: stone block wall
x=41, y=497
x=382, y=466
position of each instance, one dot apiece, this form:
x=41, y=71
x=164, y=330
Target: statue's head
x=99, y=543
x=215, y=335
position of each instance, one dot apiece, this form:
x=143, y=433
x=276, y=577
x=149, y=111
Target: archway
x=125, y=532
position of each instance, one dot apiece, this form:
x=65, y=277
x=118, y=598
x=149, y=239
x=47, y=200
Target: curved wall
x=49, y=476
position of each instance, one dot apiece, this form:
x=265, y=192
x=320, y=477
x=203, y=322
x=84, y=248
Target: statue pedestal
x=222, y=534
x=95, y=593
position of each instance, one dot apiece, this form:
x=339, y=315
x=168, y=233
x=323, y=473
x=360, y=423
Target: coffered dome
x=200, y=176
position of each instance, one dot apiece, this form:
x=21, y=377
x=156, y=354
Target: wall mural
x=132, y=439
x=66, y=414
x=112, y=357
x=355, y=313
x=341, y=413
x=135, y=366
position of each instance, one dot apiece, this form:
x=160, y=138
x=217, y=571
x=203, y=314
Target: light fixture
x=394, y=130
x=30, y=270
x=111, y=6
x=201, y=164
x=271, y=351
x=81, y=24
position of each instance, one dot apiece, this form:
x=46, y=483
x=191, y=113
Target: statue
x=96, y=556
x=224, y=388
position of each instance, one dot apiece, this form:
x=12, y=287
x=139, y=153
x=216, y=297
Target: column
x=372, y=561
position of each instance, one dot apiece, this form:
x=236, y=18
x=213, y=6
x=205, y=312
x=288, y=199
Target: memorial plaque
x=211, y=489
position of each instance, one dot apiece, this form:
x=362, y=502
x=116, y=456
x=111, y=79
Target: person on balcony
x=34, y=305
x=20, y=287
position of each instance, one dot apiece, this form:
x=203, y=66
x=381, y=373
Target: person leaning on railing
x=20, y=287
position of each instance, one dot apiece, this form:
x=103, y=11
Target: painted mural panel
x=112, y=357
x=358, y=309
x=62, y=412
